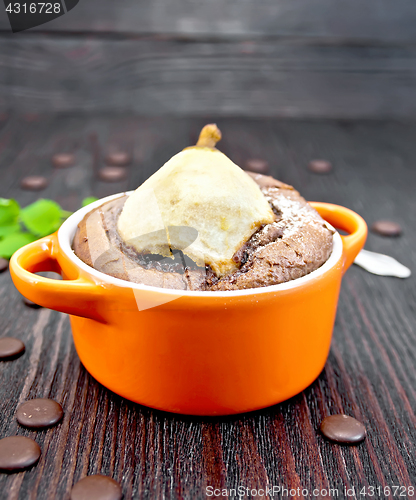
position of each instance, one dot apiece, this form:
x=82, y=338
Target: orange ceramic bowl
x=199, y=353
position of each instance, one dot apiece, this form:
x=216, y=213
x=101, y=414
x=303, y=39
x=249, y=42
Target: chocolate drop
x=63, y=160
x=11, y=348
x=96, y=487
x=31, y=304
x=343, y=429
x=386, y=228
x=257, y=165
x=320, y=166
x=34, y=183
x=4, y=265
x=18, y=453
x=118, y=159
x=112, y=174
x=39, y=413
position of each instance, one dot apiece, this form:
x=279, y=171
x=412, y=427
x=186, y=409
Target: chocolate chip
x=119, y=158
x=386, y=228
x=112, y=174
x=320, y=166
x=63, y=160
x=31, y=304
x=257, y=165
x=34, y=183
x=4, y=265
x=18, y=453
x=39, y=413
x=343, y=429
x=96, y=487
x=11, y=348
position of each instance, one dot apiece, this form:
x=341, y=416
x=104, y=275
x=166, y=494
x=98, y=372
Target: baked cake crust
x=295, y=244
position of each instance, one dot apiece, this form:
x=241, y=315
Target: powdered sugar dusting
x=295, y=214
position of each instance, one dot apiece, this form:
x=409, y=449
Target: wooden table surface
x=370, y=373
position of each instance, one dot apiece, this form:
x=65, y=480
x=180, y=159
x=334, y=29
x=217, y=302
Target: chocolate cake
x=296, y=243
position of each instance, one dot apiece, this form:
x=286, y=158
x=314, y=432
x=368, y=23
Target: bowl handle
x=349, y=221
x=77, y=294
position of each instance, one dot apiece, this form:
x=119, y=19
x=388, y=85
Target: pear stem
x=209, y=136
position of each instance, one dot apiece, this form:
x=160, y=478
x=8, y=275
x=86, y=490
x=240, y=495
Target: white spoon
x=380, y=264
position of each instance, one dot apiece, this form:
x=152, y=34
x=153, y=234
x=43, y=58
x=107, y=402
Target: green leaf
x=65, y=214
x=12, y=242
x=9, y=212
x=6, y=230
x=42, y=217
x=88, y=200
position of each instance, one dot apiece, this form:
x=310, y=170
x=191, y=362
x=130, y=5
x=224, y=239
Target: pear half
x=202, y=190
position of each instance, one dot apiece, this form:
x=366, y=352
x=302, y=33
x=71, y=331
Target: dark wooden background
x=370, y=373
x=297, y=58
x=144, y=77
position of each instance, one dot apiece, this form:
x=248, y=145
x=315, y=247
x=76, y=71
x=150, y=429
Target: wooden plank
x=154, y=77
x=370, y=373
x=373, y=20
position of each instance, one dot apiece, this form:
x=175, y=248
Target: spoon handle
x=383, y=265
